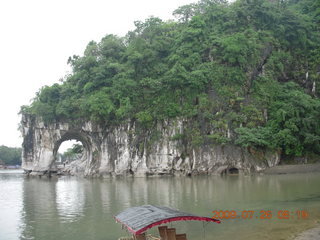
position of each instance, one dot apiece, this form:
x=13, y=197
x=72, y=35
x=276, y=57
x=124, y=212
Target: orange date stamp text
x=261, y=214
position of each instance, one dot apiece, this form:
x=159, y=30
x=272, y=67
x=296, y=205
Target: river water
x=74, y=208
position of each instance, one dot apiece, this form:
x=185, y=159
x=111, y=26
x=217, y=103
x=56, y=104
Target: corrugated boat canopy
x=139, y=219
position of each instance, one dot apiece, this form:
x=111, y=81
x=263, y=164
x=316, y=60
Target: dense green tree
x=245, y=72
x=294, y=118
x=10, y=156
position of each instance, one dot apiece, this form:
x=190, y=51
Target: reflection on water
x=72, y=208
x=10, y=204
x=70, y=199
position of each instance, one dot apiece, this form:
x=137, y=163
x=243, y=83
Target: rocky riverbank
x=310, y=234
x=296, y=168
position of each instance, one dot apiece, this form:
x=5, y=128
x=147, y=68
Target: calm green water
x=75, y=209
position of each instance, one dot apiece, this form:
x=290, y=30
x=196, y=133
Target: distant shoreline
x=296, y=168
x=10, y=167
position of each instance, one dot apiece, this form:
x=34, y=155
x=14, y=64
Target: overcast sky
x=38, y=36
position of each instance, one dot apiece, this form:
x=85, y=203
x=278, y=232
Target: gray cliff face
x=119, y=151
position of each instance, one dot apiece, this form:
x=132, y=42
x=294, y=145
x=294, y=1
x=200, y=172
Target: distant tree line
x=245, y=73
x=10, y=156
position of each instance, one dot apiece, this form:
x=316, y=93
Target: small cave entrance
x=230, y=171
x=233, y=171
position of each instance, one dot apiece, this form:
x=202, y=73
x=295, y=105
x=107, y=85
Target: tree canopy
x=245, y=72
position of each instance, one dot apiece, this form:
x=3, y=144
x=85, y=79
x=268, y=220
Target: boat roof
x=139, y=219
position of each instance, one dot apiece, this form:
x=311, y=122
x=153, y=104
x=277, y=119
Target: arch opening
x=71, y=147
x=69, y=151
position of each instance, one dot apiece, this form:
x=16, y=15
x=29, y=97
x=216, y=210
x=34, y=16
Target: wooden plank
x=163, y=232
x=171, y=234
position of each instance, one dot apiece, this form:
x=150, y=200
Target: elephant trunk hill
x=226, y=86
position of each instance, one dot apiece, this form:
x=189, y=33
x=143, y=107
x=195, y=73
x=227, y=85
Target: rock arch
x=74, y=135
x=122, y=149
x=42, y=141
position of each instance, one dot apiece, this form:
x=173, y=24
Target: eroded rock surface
x=121, y=151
